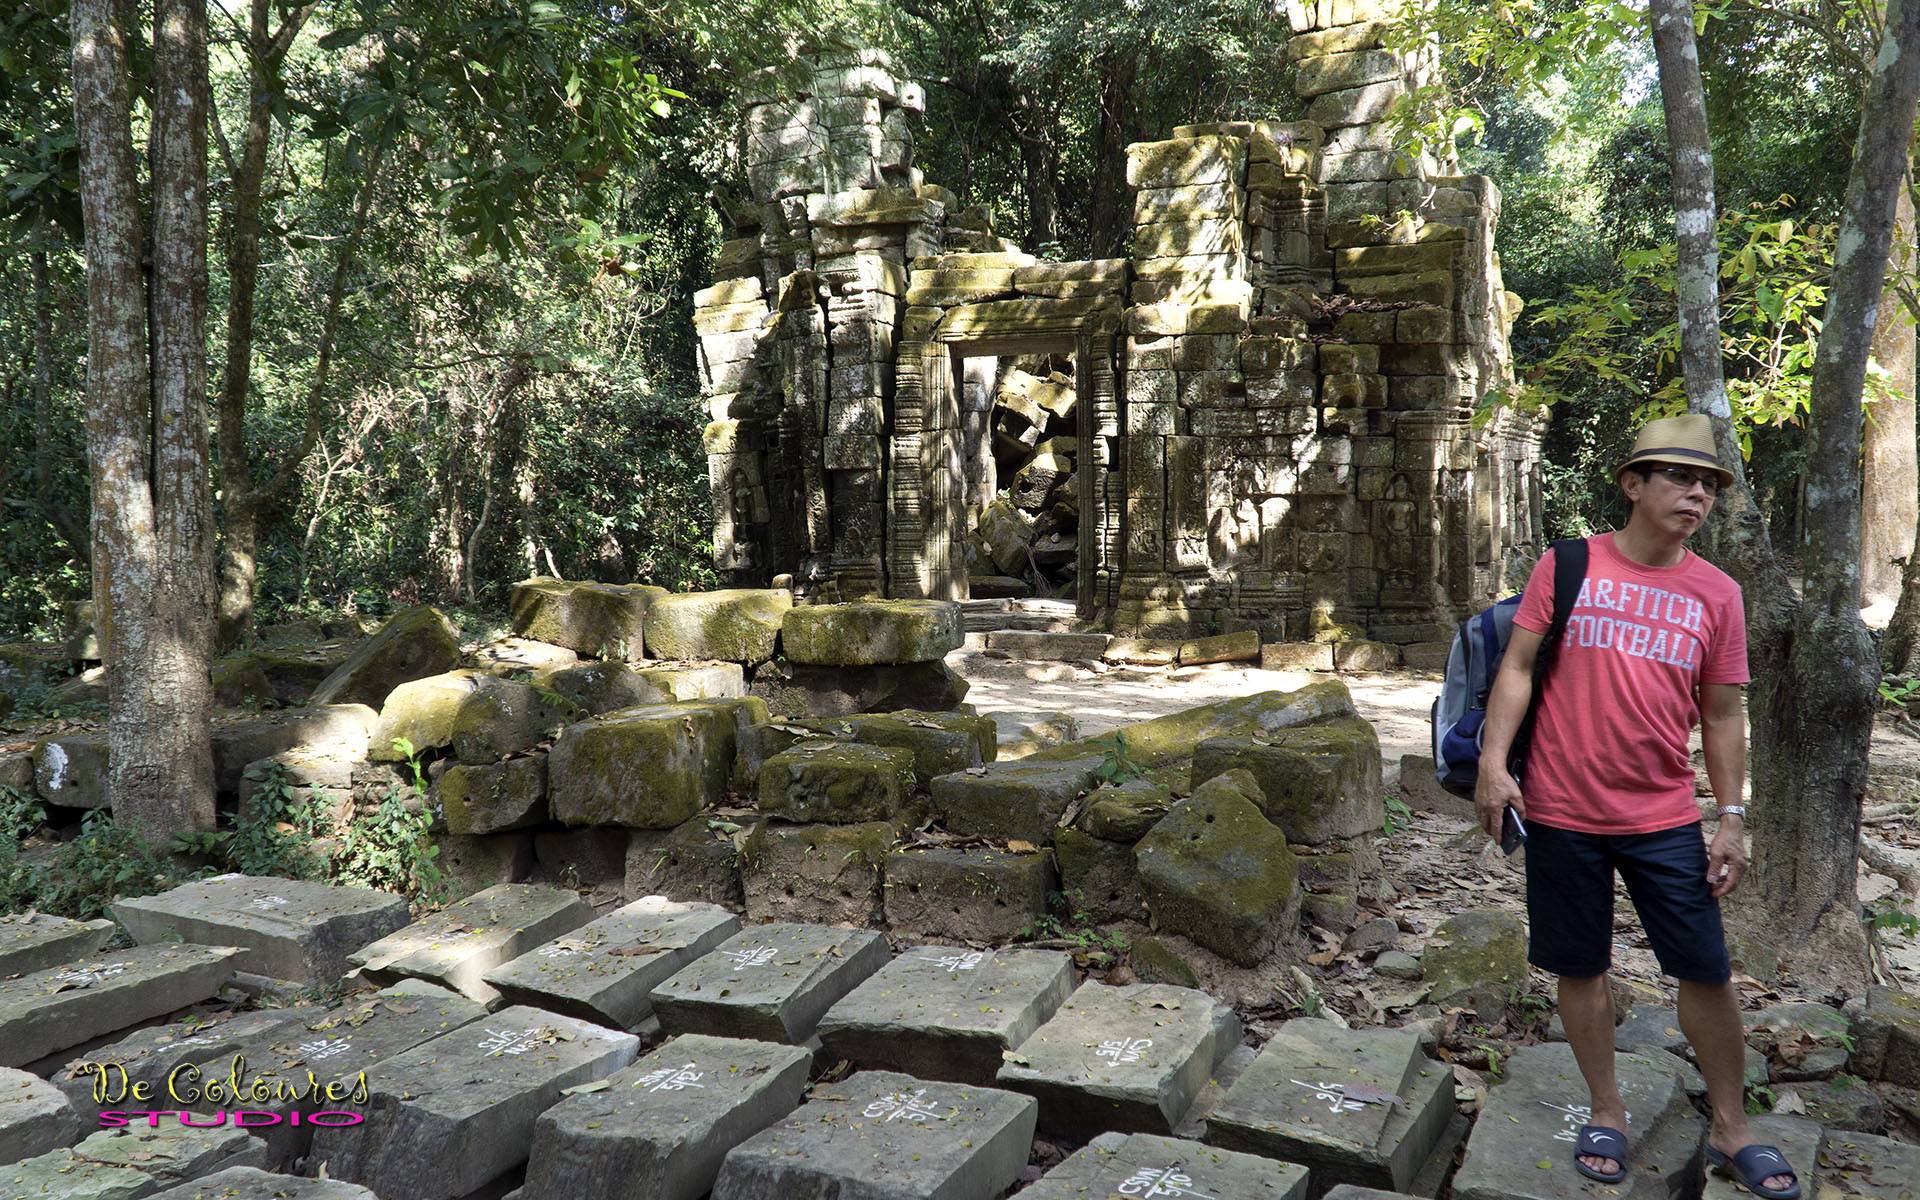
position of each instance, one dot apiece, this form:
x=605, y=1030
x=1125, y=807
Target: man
x=1655, y=643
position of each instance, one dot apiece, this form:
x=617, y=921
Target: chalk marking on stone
x=905, y=1106
x=321, y=1049
x=1334, y=1094
x=1124, y=1050
x=670, y=1079
x=758, y=956
x=513, y=1042
x=268, y=903
x=1148, y=1182
x=957, y=962
x=80, y=978
x=558, y=950
x=1573, y=1116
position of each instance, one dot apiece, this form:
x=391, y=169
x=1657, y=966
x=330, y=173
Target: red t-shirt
x=1612, y=731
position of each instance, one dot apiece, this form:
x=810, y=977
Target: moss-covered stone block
x=1215, y=870
x=820, y=874
x=1886, y=1030
x=697, y=681
x=514, y=655
x=940, y=742
x=969, y=895
x=1022, y=799
x=422, y=712
x=871, y=632
x=595, y=856
x=1331, y=871
x=694, y=861
x=72, y=770
x=604, y=620
x=495, y=797
x=800, y=690
x=1175, y=736
x=1125, y=812
x=331, y=731
x=1477, y=959
x=411, y=645
x=505, y=716
x=1336, y=910
x=1020, y=734
x=603, y=687
x=1321, y=782
x=645, y=768
x=836, y=783
x=736, y=625
x=1154, y=961
x=1098, y=877
x=476, y=862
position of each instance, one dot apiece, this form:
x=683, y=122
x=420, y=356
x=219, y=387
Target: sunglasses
x=1684, y=478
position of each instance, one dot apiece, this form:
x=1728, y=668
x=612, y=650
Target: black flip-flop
x=1754, y=1164
x=1604, y=1141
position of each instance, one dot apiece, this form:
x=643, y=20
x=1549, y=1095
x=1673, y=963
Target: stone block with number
x=773, y=982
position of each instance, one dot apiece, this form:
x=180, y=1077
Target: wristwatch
x=1734, y=810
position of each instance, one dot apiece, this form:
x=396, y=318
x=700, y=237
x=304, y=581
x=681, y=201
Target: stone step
x=1862, y=1164
x=133, y=1071
x=48, y=1011
x=137, y=1160
x=286, y=928
x=1142, y=1165
x=1018, y=622
x=1050, y=647
x=878, y=1135
x=1803, y=1142
x=1361, y=1106
x=35, y=1117
x=665, y=1122
x=456, y=1112
x=32, y=942
x=772, y=982
x=251, y=1183
x=603, y=971
x=458, y=945
x=1535, y=1113
x=937, y=1012
x=1126, y=1059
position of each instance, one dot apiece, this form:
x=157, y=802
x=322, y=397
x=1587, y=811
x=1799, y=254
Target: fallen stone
x=825, y=874
x=122, y=1164
x=603, y=971
x=251, y=1183
x=50, y=1010
x=456, y=946
x=35, y=1117
x=1809, y=1041
x=1320, y=783
x=420, y=714
x=738, y=625
x=591, y=856
x=1476, y=959
x=1098, y=877
x=1018, y=734
x=1365, y=656
x=1860, y=1164
x=34, y=941
x=1844, y=1102
x=512, y=655
x=871, y=632
x=1243, y=646
x=1173, y=737
x=506, y=716
x=1155, y=960
x=135, y=1069
x=1049, y=647
x=1130, y=1059
x=603, y=687
x=805, y=690
x=683, y=751
x=1145, y=652
x=454, y=1113
x=1886, y=1030
x=1141, y=1165
x=329, y=731
x=836, y=783
x=476, y=862
x=495, y=797
x=942, y=1013
x=883, y=1136
x=1535, y=1113
x=1022, y=799
x=697, y=681
x=1361, y=1106
x=604, y=620
x=665, y=1122
x=71, y=770
x=286, y=928
x=693, y=862
x=966, y=894
x=941, y=742
x=1296, y=656
x=771, y=982
x=411, y=645
x=1215, y=870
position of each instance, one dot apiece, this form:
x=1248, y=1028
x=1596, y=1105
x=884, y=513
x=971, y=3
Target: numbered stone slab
x=120, y=1164
x=287, y=928
x=1360, y=1106
x=772, y=982
x=1149, y=1167
x=1535, y=1114
x=664, y=1123
x=941, y=1013
x=134, y=1070
x=458, y=945
x=1799, y=1138
x=251, y=1183
x=882, y=1136
x=603, y=971
x=453, y=1113
x=32, y=942
x=50, y=1010
x=1129, y=1059
x=1860, y=1164
x=35, y=1116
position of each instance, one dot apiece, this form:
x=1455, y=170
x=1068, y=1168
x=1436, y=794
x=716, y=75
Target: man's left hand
x=1727, y=858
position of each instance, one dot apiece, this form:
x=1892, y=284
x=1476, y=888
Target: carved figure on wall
x=1397, y=516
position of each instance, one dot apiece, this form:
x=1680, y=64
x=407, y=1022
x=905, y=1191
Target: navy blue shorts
x=1570, y=901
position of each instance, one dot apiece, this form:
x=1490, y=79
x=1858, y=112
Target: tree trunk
x=1040, y=163
x=1891, y=492
x=1110, y=220
x=146, y=421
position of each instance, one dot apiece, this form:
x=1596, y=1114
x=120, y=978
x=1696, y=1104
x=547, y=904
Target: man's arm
x=1723, y=739
x=1506, y=708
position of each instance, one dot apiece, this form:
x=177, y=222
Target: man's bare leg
x=1710, y=1017
x=1586, y=1009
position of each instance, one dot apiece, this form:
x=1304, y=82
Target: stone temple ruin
x=1261, y=420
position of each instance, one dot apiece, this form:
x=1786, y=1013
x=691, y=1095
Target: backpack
x=1474, y=661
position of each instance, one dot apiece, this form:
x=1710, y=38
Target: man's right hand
x=1492, y=793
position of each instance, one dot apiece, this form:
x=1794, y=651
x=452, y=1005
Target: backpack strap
x=1569, y=572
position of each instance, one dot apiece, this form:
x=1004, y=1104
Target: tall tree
x=146, y=412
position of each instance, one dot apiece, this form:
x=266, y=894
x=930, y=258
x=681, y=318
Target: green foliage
x=80, y=878
x=1067, y=920
x=1894, y=915
x=1115, y=766
x=20, y=815
x=1398, y=815
x=390, y=849
x=271, y=836
x=1896, y=691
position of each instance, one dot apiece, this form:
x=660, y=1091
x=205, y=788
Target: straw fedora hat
x=1680, y=441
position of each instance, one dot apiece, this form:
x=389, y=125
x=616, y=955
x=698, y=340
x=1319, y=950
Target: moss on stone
x=644, y=768
x=494, y=797
x=421, y=712
x=1477, y=959
x=871, y=632
x=1125, y=813
x=1169, y=739
x=1154, y=961
x=1321, y=781
x=1217, y=871
x=836, y=783
x=736, y=625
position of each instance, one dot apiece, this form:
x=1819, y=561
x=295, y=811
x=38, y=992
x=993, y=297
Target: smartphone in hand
x=1513, y=834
